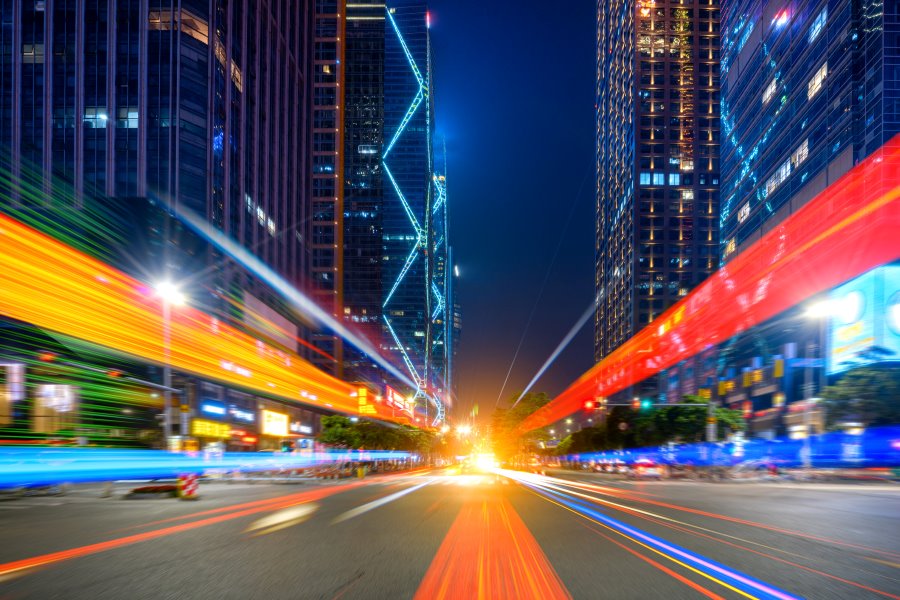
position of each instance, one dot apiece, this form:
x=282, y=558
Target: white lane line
x=281, y=519
x=355, y=512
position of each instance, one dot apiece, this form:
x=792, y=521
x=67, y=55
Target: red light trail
x=848, y=229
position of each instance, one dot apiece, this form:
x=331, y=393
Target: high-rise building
x=228, y=109
x=203, y=104
x=326, y=215
x=395, y=202
x=657, y=159
x=363, y=124
x=808, y=90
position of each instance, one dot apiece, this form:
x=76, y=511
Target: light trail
x=732, y=579
x=359, y=510
x=490, y=553
x=301, y=303
x=689, y=528
x=562, y=346
x=846, y=230
x=44, y=466
x=626, y=495
x=51, y=285
x=237, y=511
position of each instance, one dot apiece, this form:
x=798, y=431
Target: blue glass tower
x=394, y=198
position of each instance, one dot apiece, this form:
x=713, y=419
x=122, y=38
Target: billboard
x=398, y=400
x=864, y=327
x=274, y=423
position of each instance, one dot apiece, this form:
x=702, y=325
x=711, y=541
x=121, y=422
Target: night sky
x=514, y=95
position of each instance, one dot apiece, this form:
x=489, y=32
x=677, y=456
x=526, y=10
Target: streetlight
x=821, y=311
x=464, y=430
x=170, y=296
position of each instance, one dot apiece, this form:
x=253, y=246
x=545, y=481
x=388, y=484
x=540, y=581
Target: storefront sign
x=274, y=423
x=298, y=427
x=213, y=408
x=203, y=428
x=240, y=414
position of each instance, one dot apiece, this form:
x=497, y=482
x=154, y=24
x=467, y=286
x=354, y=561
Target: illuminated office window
x=818, y=25
x=817, y=81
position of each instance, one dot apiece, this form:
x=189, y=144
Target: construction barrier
x=187, y=486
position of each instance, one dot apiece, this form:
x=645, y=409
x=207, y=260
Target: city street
x=446, y=534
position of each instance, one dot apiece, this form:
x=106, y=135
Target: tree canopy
x=868, y=395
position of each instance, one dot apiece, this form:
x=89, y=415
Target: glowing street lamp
x=169, y=293
x=464, y=430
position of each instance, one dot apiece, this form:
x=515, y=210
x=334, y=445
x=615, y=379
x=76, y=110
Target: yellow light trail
x=49, y=284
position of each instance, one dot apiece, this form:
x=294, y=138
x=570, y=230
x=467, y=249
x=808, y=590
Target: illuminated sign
x=274, y=423
x=744, y=212
x=365, y=408
x=397, y=400
x=203, y=428
x=242, y=415
x=864, y=320
x=298, y=427
x=213, y=408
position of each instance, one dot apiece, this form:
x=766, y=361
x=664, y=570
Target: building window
x=659, y=179
x=645, y=178
x=32, y=54
x=817, y=81
x=687, y=164
x=674, y=179
x=769, y=92
x=818, y=25
x=95, y=118
x=801, y=153
x=128, y=118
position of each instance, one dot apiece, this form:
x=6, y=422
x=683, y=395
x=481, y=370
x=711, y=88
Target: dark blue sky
x=514, y=95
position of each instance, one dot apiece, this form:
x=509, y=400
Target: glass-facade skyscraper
x=201, y=103
x=395, y=201
x=657, y=159
x=808, y=90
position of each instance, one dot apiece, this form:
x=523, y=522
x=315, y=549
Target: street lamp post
x=170, y=295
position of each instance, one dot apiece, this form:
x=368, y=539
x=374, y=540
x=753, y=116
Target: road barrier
x=188, y=485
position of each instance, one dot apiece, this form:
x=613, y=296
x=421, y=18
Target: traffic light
x=646, y=404
x=636, y=404
x=588, y=405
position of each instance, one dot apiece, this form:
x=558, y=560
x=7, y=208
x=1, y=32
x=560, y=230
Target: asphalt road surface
x=444, y=534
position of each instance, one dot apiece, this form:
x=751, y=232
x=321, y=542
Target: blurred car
x=645, y=469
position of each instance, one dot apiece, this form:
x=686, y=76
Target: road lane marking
x=490, y=553
x=282, y=519
x=355, y=512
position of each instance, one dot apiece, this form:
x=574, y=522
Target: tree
x=507, y=441
x=868, y=395
x=339, y=431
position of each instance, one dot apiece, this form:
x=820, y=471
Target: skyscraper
x=396, y=211
x=808, y=90
x=204, y=105
x=657, y=159
x=327, y=214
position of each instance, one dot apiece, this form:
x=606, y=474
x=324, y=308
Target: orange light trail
x=848, y=229
x=49, y=284
x=237, y=511
x=490, y=553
